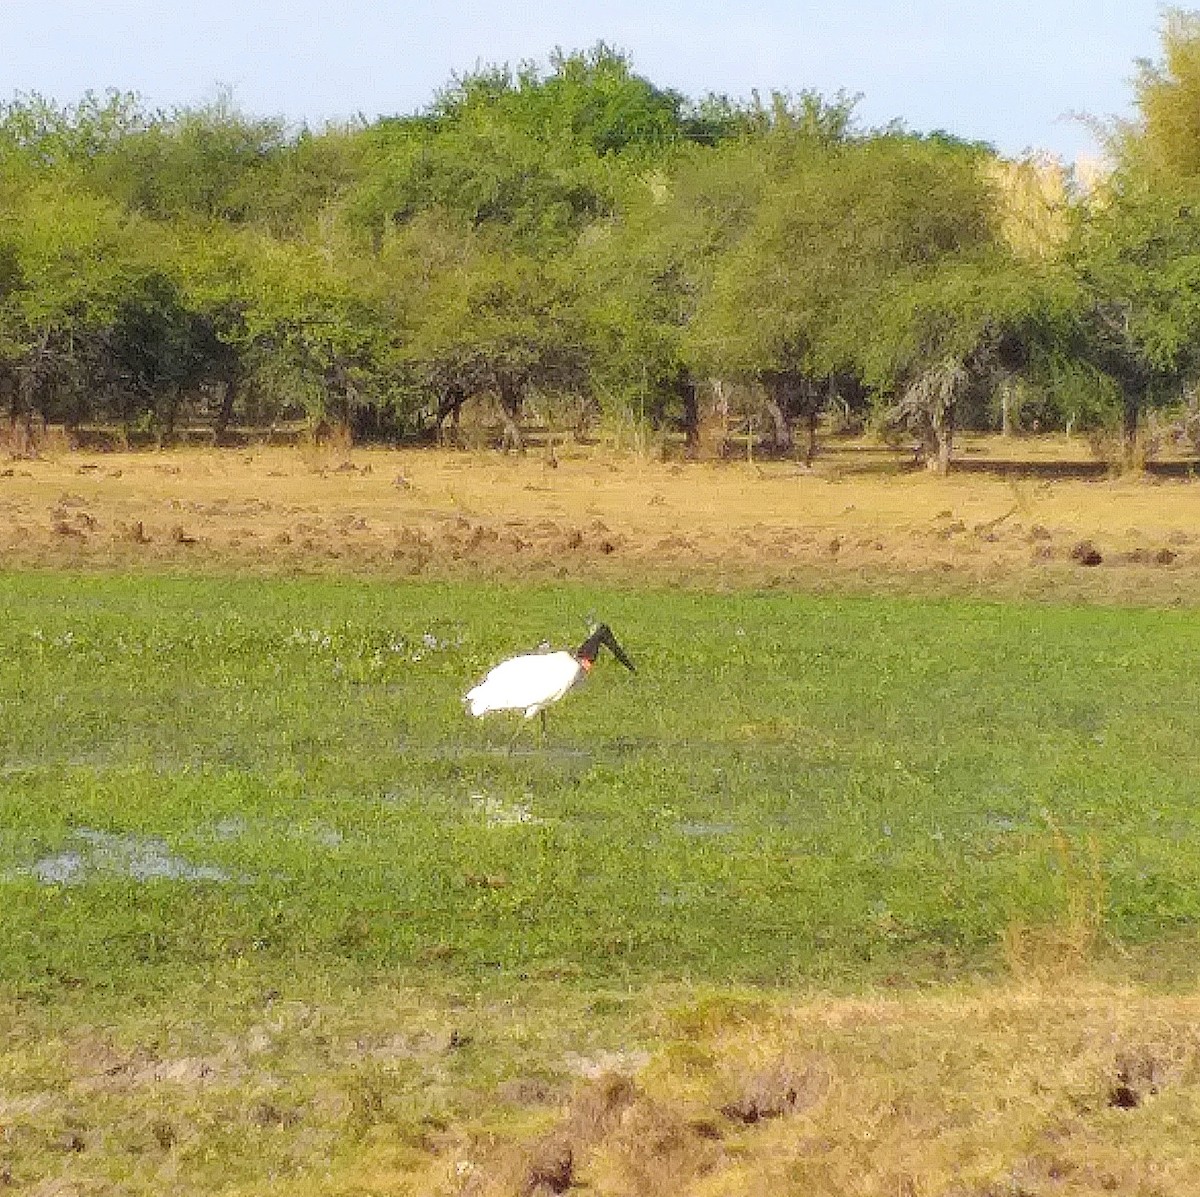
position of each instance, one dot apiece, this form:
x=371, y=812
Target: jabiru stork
x=534, y=681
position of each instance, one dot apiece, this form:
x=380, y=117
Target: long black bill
x=601, y=635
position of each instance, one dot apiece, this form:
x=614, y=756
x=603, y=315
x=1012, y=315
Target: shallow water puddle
x=101, y=854
x=322, y=835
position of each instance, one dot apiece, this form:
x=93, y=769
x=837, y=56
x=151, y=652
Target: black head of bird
x=600, y=636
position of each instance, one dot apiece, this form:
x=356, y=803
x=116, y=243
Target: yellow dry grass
x=1072, y=1089
x=1078, y=1087
x=1007, y=523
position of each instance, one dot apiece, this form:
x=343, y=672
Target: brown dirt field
x=1003, y=524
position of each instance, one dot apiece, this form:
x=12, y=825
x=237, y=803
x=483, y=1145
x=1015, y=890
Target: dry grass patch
x=1066, y=1090
x=1076, y=1087
x=861, y=517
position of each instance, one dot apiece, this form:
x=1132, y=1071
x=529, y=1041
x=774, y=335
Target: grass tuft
x=1068, y=942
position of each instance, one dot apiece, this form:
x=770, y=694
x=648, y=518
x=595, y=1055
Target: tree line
x=574, y=242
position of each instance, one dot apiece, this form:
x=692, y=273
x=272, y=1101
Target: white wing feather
x=526, y=683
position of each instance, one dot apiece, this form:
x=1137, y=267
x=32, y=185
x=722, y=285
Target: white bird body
x=529, y=683
x=534, y=681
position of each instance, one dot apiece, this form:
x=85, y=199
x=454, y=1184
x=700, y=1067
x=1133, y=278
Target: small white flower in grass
x=498, y=813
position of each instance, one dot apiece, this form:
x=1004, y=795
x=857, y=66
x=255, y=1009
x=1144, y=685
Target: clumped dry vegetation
x=1025, y=518
x=1024, y=1090
x=1032, y=1087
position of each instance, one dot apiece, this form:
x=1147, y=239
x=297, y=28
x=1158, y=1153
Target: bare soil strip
x=1051, y=524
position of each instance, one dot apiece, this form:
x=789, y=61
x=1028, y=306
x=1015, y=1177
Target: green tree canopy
x=834, y=234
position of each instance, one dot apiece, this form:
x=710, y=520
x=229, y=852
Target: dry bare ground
x=1037, y=519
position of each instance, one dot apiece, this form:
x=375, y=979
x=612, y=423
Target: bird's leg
x=515, y=734
x=542, y=716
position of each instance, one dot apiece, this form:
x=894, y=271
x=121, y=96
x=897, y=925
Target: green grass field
x=202, y=772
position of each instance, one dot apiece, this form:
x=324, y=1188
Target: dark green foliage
x=1138, y=262
x=591, y=98
x=831, y=233
x=202, y=164
x=523, y=153
x=37, y=134
x=499, y=323
x=578, y=230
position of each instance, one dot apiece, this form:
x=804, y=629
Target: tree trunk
x=225, y=412
x=938, y=434
x=450, y=407
x=23, y=405
x=943, y=435
x=691, y=418
x=1007, y=403
x=8, y=390
x=510, y=411
x=941, y=463
x=781, y=426
x=721, y=410
x=811, y=451
x=166, y=425
x=783, y=398
x=1130, y=414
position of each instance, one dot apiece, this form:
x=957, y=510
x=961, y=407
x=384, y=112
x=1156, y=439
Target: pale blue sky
x=1009, y=73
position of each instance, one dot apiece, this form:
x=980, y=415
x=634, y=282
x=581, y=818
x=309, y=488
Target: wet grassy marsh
x=791, y=789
